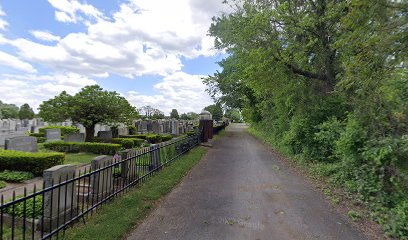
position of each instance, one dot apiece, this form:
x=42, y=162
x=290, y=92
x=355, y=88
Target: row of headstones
x=175, y=127
x=29, y=144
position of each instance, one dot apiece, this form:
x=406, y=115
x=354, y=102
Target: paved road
x=240, y=190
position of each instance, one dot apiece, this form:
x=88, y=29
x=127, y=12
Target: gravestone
x=143, y=127
x=155, y=127
x=101, y=181
x=21, y=143
x=74, y=137
x=60, y=202
x=175, y=127
x=105, y=135
x=52, y=135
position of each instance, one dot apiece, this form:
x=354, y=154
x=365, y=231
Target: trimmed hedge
x=153, y=138
x=166, y=137
x=36, y=135
x=92, y=147
x=41, y=139
x=124, y=142
x=190, y=133
x=35, y=162
x=64, y=129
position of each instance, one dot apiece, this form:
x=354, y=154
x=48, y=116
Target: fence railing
x=69, y=196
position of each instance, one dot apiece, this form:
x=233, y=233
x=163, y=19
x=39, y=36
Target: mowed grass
x=78, y=158
x=116, y=219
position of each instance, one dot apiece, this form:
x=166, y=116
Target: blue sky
x=152, y=52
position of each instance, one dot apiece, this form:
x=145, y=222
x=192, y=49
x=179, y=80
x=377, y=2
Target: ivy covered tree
x=26, y=112
x=90, y=106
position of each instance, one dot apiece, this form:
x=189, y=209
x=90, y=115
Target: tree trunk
x=89, y=131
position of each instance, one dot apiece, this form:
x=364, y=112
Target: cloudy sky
x=153, y=52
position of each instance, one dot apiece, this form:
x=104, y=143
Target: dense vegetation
x=325, y=80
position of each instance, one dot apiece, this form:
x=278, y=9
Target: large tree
x=216, y=111
x=174, y=114
x=88, y=107
x=8, y=110
x=26, y=112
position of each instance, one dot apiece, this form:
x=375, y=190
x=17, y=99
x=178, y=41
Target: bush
x=153, y=138
x=137, y=142
x=92, y=147
x=124, y=142
x=37, y=134
x=190, y=133
x=132, y=130
x=3, y=184
x=132, y=136
x=64, y=129
x=166, y=137
x=41, y=139
x=27, y=209
x=29, y=162
x=15, y=176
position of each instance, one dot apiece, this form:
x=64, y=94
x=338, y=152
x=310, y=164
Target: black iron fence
x=69, y=195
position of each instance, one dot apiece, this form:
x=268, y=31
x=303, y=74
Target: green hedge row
x=64, y=130
x=128, y=142
x=151, y=138
x=92, y=147
x=29, y=162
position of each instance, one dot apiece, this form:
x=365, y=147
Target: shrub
x=130, y=136
x=15, y=176
x=37, y=135
x=124, y=142
x=137, y=142
x=92, y=147
x=132, y=130
x=190, y=133
x=20, y=207
x=166, y=137
x=3, y=184
x=29, y=162
x=41, y=139
x=64, y=129
x=153, y=138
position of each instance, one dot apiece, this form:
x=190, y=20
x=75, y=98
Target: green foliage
x=91, y=147
x=26, y=112
x=153, y=138
x=90, y=106
x=174, y=114
x=29, y=162
x=132, y=130
x=29, y=209
x=325, y=81
x=126, y=143
x=64, y=130
x=15, y=176
x=37, y=134
x=3, y=184
x=189, y=116
x=216, y=111
x=166, y=137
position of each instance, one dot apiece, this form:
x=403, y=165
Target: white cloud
x=33, y=89
x=72, y=11
x=179, y=90
x=45, y=36
x=3, y=23
x=13, y=62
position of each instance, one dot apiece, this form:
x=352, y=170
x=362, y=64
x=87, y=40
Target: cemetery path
x=240, y=190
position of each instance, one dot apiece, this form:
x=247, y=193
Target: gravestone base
x=52, y=223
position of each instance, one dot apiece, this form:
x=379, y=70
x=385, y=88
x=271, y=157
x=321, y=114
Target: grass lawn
x=116, y=219
x=77, y=158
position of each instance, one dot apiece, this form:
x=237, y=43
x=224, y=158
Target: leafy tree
x=174, y=114
x=327, y=80
x=88, y=107
x=8, y=110
x=26, y=112
x=150, y=112
x=233, y=114
x=216, y=111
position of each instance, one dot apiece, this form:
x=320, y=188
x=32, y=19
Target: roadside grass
x=78, y=158
x=116, y=219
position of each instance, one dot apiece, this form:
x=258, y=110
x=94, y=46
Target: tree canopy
x=216, y=111
x=8, y=110
x=174, y=114
x=26, y=112
x=88, y=107
x=326, y=80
